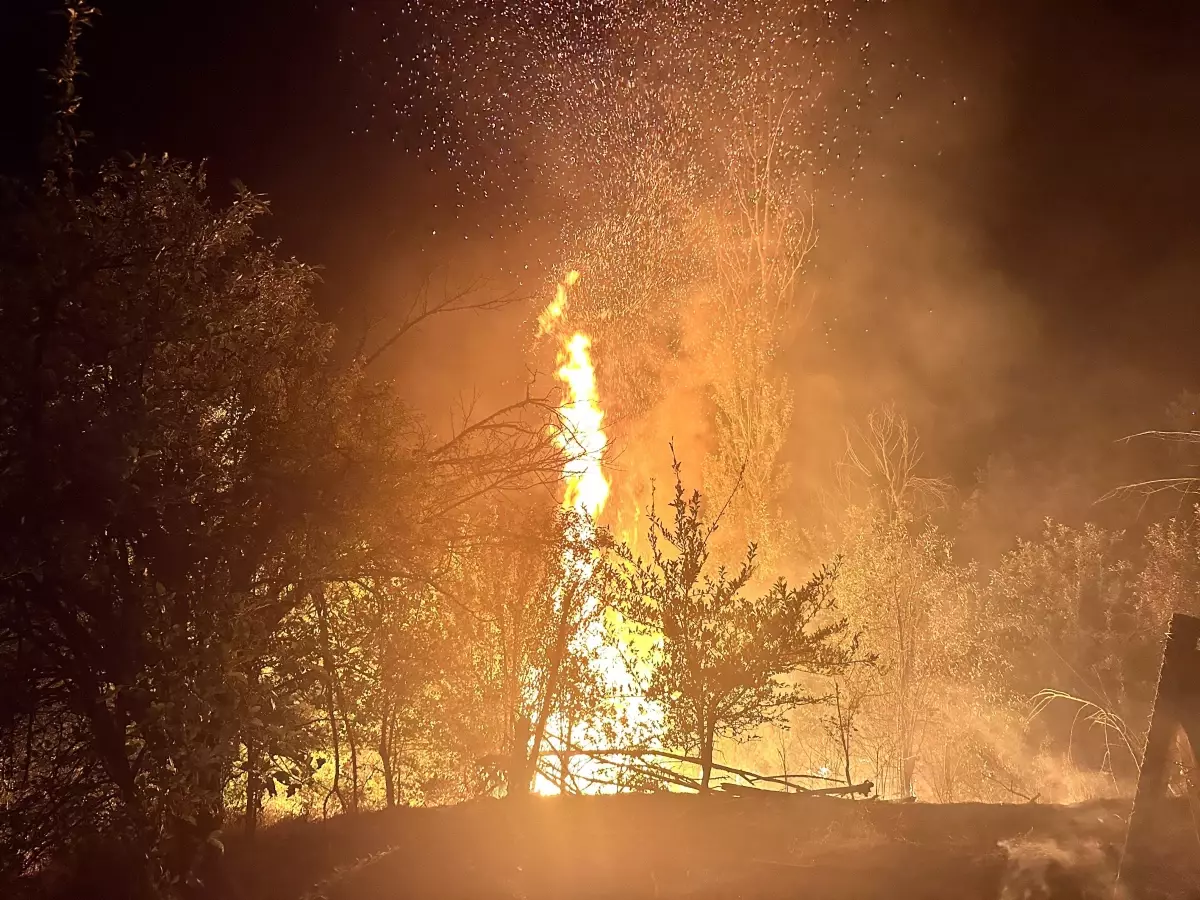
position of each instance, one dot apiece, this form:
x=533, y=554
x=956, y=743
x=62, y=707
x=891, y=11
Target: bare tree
x=762, y=230
x=882, y=462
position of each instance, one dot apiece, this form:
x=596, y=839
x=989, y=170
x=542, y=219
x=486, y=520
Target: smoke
x=958, y=270
x=1044, y=869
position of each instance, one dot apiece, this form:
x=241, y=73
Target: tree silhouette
x=725, y=652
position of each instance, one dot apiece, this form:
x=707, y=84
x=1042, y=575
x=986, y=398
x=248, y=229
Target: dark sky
x=1072, y=165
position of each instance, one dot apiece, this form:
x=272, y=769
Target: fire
x=582, y=438
x=582, y=435
x=549, y=316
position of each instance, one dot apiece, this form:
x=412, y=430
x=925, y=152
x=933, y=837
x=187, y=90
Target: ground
x=683, y=846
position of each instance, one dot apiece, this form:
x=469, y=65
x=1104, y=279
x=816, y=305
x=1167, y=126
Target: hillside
x=677, y=846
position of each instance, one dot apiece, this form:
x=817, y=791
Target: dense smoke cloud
x=931, y=284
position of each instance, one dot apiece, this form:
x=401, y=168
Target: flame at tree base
x=583, y=440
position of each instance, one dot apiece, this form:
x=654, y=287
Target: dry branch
x=865, y=788
x=425, y=305
x=642, y=755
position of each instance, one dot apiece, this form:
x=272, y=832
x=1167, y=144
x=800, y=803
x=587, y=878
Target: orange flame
x=582, y=432
x=557, y=308
x=582, y=438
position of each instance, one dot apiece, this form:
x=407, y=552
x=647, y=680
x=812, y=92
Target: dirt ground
x=685, y=846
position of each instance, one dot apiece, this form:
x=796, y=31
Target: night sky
x=1071, y=166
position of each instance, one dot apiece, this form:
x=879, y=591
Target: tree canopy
x=725, y=652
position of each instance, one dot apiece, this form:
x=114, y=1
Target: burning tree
x=533, y=614
x=704, y=264
x=724, y=656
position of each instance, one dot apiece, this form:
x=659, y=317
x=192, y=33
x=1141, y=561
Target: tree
x=1050, y=605
x=193, y=479
x=699, y=258
x=900, y=585
x=1076, y=623
x=533, y=588
x=725, y=654
x=182, y=459
x=641, y=261
x=761, y=226
x=1066, y=634
x=400, y=670
x=881, y=467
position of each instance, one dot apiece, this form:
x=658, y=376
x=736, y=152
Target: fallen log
x=641, y=753
x=741, y=790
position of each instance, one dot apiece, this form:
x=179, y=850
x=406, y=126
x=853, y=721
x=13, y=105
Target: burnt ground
x=685, y=846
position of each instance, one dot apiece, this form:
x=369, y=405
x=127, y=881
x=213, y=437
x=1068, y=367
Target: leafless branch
x=885, y=457
x=1181, y=484
x=1183, y=437
x=426, y=302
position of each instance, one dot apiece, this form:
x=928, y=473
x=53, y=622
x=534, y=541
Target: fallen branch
x=641, y=753
x=651, y=772
x=799, y=775
x=865, y=788
x=645, y=768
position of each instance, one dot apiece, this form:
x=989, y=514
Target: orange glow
x=583, y=433
x=549, y=316
x=582, y=438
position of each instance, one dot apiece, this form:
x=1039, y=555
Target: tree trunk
x=387, y=730
x=845, y=722
x=347, y=722
x=707, y=739
x=254, y=760
x=517, y=775
x=318, y=596
x=908, y=770
x=549, y=692
x=254, y=785
x=565, y=760
x=352, y=740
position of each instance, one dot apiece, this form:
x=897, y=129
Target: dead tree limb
x=865, y=788
x=641, y=753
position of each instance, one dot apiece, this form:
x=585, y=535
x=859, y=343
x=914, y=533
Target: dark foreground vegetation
x=685, y=846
